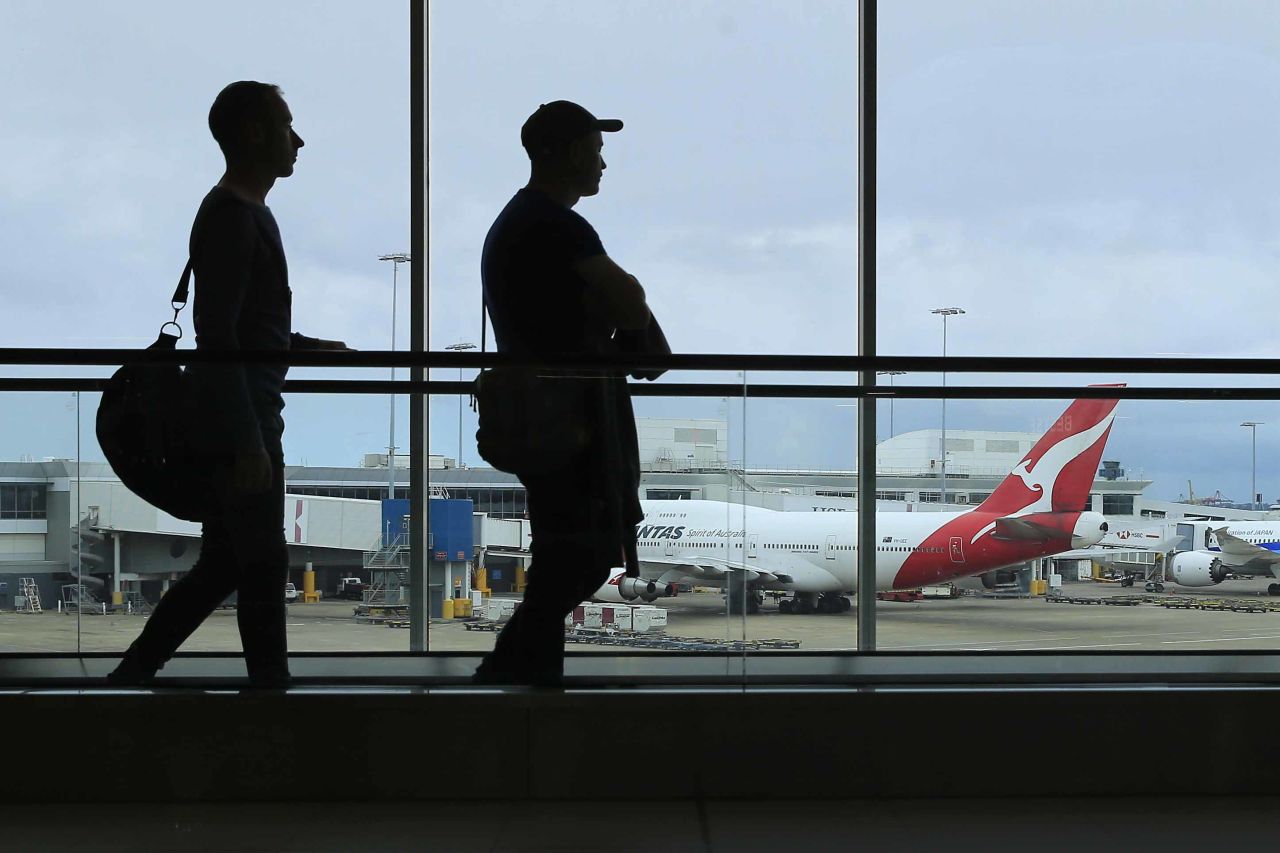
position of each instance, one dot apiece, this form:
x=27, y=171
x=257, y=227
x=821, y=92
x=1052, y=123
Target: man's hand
x=337, y=346
x=251, y=473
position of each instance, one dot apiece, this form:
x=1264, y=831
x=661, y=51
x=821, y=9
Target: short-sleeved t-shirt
x=534, y=295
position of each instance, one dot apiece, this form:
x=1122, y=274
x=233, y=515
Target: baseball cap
x=559, y=122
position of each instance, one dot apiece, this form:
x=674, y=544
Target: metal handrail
x=736, y=390
x=61, y=356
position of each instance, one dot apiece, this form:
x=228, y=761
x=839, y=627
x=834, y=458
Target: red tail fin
x=1058, y=473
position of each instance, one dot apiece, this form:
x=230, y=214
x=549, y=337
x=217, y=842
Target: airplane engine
x=620, y=589
x=648, y=591
x=1089, y=530
x=632, y=588
x=1196, y=568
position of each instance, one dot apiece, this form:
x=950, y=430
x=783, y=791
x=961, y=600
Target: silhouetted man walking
x=551, y=290
x=242, y=302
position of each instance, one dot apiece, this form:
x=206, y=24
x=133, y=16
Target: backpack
x=143, y=430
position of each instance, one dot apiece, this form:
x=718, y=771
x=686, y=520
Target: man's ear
x=579, y=153
x=252, y=134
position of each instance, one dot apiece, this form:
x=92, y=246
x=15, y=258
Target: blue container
x=451, y=527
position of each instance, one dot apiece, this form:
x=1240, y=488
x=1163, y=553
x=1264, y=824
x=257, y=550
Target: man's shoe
x=130, y=673
x=543, y=680
x=275, y=681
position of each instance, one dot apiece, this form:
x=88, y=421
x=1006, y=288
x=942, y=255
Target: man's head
x=253, y=126
x=564, y=145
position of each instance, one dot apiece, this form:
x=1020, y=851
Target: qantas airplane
x=1036, y=511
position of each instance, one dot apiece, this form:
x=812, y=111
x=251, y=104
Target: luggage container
x=647, y=619
x=500, y=609
x=592, y=615
x=618, y=616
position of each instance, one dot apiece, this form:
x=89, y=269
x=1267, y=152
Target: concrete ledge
x=419, y=744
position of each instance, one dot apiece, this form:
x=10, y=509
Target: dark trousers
x=571, y=559
x=242, y=550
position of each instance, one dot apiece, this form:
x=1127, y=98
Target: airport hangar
x=337, y=522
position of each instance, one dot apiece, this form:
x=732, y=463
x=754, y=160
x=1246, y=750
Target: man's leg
x=569, y=562
x=262, y=567
x=182, y=609
x=561, y=576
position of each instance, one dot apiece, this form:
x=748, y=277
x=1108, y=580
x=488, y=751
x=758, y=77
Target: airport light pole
x=1253, y=478
x=459, y=347
x=945, y=313
x=396, y=259
x=890, y=374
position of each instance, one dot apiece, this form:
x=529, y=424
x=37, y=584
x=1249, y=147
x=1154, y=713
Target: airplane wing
x=1240, y=553
x=712, y=568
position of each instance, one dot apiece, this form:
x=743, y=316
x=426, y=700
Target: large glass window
x=731, y=193
x=1095, y=181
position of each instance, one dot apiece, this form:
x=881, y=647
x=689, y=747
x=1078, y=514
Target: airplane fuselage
x=818, y=551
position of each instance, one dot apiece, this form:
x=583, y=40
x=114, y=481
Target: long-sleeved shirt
x=242, y=302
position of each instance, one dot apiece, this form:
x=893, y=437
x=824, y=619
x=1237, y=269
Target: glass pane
x=1019, y=560
x=731, y=191
x=40, y=517
x=800, y=487
x=689, y=542
x=335, y=515
x=105, y=163
x=721, y=256
x=1100, y=163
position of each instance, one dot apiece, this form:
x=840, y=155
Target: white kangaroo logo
x=1050, y=465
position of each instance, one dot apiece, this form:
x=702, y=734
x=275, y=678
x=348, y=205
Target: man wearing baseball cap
x=551, y=290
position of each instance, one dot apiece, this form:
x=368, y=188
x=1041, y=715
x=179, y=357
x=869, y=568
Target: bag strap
x=179, y=301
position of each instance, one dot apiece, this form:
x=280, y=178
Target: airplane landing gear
x=808, y=602
x=832, y=603
x=802, y=603
x=739, y=597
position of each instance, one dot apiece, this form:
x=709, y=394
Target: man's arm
x=647, y=341
x=613, y=293
x=223, y=270
x=222, y=262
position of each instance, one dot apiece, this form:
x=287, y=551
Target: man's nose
x=297, y=141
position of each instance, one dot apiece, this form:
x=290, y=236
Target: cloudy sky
x=1084, y=178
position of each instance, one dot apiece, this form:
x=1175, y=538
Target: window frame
x=861, y=665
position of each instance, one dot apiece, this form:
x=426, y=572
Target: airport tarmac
x=969, y=623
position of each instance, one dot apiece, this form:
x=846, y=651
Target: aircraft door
x=670, y=548
x=956, y=548
x=1194, y=536
x=752, y=542
x=830, y=551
